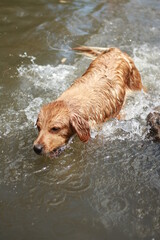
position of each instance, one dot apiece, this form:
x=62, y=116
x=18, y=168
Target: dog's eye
x=55, y=129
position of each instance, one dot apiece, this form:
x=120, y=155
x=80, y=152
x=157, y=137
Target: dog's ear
x=81, y=127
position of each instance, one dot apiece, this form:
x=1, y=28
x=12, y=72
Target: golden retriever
x=95, y=97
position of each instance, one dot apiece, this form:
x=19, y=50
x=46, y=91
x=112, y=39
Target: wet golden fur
x=92, y=99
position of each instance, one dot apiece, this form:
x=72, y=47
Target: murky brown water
x=108, y=188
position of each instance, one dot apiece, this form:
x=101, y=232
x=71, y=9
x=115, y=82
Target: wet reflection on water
x=105, y=189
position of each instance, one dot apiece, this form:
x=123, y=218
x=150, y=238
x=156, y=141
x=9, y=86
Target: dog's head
x=56, y=124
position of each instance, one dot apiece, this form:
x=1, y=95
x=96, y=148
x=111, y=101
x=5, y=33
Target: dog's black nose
x=38, y=148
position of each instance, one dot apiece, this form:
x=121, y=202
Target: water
x=108, y=188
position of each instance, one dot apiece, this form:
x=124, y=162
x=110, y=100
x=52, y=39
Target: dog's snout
x=38, y=148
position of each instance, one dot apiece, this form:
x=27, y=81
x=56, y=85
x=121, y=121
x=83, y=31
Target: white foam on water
x=55, y=78
x=32, y=110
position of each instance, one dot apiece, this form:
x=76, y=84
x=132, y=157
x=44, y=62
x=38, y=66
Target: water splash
x=54, y=78
x=31, y=111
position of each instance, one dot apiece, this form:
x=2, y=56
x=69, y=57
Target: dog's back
x=108, y=61
x=100, y=93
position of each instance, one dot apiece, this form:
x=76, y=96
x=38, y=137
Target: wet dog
x=153, y=121
x=95, y=97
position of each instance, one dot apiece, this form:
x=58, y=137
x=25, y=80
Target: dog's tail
x=91, y=52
